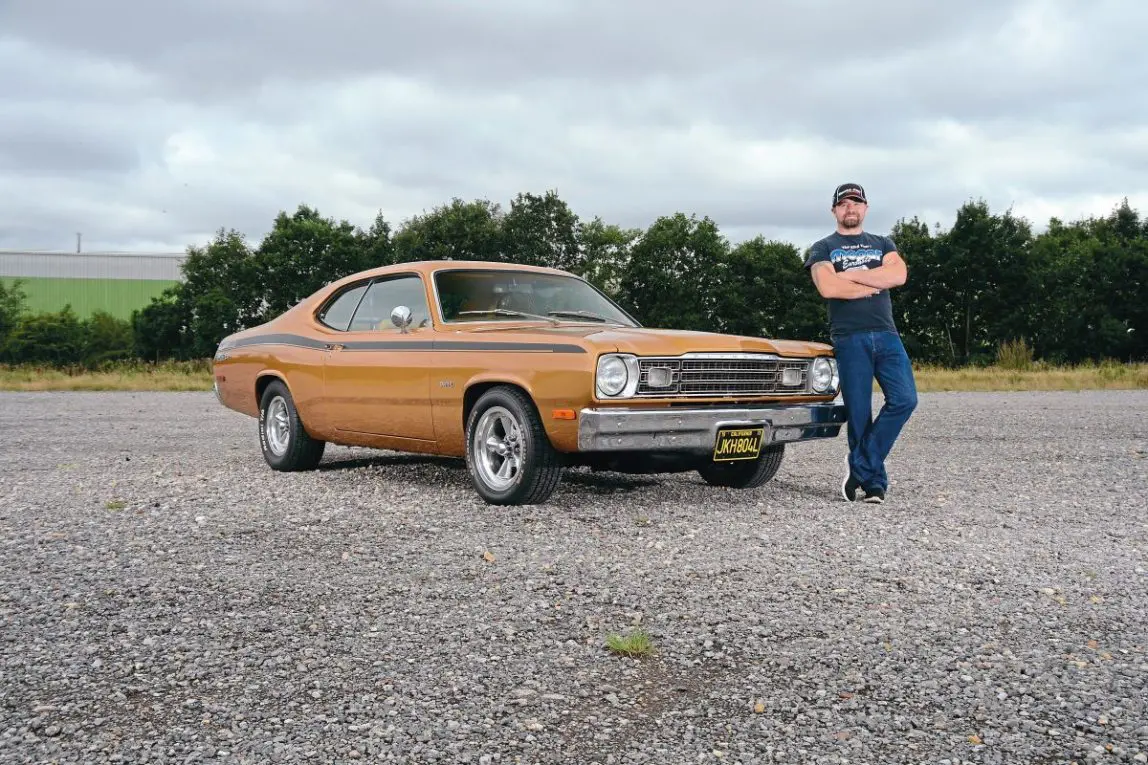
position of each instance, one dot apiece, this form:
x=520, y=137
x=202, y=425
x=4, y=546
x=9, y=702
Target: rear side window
x=374, y=311
x=337, y=313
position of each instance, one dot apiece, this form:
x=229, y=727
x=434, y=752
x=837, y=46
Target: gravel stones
x=166, y=597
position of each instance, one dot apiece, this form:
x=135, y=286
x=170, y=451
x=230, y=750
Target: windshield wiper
x=585, y=315
x=509, y=312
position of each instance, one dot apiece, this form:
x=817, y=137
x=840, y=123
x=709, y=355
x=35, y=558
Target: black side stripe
x=300, y=341
x=296, y=340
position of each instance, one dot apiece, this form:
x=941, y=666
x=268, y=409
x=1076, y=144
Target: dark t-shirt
x=847, y=252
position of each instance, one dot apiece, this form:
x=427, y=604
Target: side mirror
x=401, y=317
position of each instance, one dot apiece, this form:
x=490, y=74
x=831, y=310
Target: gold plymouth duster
x=521, y=371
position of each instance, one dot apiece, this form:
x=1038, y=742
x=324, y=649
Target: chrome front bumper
x=620, y=429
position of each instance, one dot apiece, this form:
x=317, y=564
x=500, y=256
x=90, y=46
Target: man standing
x=854, y=271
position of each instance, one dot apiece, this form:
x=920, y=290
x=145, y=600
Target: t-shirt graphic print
x=848, y=252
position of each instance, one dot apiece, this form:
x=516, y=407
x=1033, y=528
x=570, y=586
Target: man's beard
x=851, y=221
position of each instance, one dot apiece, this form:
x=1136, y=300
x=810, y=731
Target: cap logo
x=849, y=190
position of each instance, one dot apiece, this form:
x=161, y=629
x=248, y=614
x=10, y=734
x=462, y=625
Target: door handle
x=334, y=346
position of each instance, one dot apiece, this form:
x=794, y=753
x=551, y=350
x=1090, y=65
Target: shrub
x=46, y=338
x=106, y=339
x=12, y=307
x=1015, y=355
x=62, y=339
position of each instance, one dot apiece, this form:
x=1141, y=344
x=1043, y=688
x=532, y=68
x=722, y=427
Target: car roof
x=424, y=267
x=427, y=267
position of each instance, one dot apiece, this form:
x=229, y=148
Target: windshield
x=502, y=295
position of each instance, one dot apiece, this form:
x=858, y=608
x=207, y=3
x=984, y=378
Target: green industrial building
x=115, y=282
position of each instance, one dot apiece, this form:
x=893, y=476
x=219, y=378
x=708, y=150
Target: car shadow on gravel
x=392, y=461
x=601, y=482
x=587, y=481
x=604, y=482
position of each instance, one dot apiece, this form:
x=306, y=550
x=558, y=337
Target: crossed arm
x=831, y=284
x=891, y=273
x=860, y=282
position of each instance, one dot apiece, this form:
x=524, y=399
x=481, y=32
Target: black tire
x=292, y=448
x=509, y=417
x=744, y=475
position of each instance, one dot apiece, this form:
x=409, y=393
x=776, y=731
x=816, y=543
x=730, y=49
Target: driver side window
x=374, y=312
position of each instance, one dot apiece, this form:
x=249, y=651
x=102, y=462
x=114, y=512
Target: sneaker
x=876, y=496
x=849, y=484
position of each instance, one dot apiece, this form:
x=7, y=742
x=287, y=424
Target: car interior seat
x=518, y=301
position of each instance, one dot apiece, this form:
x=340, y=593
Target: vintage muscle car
x=521, y=371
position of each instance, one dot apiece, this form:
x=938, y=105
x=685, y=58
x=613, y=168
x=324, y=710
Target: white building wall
x=92, y=265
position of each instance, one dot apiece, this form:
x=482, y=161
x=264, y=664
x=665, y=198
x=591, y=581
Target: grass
x=1037, y=377
x=128, y=376
x=636, y=644
x=196, y=376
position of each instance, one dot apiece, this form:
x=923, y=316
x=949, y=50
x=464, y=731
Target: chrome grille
x=737, y=374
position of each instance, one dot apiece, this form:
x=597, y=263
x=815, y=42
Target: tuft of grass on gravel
x=636, y=644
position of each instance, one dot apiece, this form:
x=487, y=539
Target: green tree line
x=1072, y=293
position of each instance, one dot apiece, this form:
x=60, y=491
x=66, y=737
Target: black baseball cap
x=849, y=191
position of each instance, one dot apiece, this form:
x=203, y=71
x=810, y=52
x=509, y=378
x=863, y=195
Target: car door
x=377, y=375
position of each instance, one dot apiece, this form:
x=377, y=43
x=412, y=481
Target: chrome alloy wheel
x=498, y=445
x=277, y=426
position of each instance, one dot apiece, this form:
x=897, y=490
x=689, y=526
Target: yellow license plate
x=738, y=444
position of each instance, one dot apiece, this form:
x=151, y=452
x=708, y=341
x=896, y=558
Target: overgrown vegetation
x=1015, y=355
x=133, y=375
x=986, y=293
x=1107, y=375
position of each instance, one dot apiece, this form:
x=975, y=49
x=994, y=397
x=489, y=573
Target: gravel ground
x=165, y=597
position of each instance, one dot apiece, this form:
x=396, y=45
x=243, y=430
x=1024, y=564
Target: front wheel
x=508, y=455
x=286, y=444
x=744, y=475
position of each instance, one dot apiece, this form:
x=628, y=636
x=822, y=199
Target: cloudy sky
x=148, y=125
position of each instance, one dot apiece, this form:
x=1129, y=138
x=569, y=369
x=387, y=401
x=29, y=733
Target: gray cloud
x=54, y=149
x=150, y=125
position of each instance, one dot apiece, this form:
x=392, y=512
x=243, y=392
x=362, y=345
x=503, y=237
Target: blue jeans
x=862, y=356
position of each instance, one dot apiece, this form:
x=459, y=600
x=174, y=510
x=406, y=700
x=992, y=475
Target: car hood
x=644, y=341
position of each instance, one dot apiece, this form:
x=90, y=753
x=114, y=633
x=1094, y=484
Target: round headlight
x=612, y=376
x=821, y=375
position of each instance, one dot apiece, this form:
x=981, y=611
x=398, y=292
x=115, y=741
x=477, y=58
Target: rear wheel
x=744, y=475
x=285, y=443
x=508, y=454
